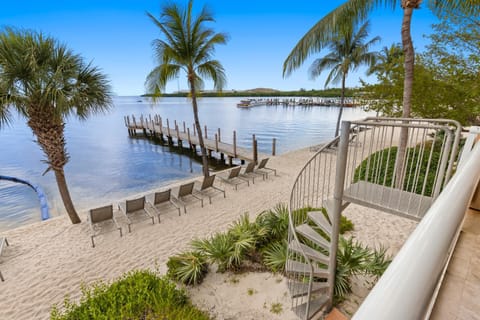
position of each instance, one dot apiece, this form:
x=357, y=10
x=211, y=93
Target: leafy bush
x=379, y=168
x=353, y=259
x=346, y=225
x=137, y=295
x=275, y=256
x=187, y=267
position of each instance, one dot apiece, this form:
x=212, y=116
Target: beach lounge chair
x=3, y=243
x=100, y=216
x=208, y=189
x=133, y=207
x=185, y=192
x=263, y=169
x=161, y=200
x=234, y=178
x=250, y=172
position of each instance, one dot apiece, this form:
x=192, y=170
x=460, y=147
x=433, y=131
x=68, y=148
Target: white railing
x=408, y=287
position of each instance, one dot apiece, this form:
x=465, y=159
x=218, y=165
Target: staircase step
x=321, y=221
x=311, y=234
x=298, y=289
x=303, y=268
x=309, y=252
x=315, y=306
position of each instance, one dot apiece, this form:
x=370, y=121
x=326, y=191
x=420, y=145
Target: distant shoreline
x=328, y=93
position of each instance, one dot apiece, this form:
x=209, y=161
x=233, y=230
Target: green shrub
x=187, y=267
x=381, y=165
x=137, y=295
x=346, y=225
x=353, y=259
x=275, y=256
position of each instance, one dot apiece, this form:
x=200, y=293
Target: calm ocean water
x=107, y=165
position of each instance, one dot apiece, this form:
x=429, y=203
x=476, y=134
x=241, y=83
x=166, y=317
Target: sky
x=116, y=36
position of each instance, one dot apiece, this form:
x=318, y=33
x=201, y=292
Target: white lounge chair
x=234, y=178
x=161, y=199
x=185, y=192
x=208, y=188
x=98, y=217
x=263, y=169
x=133, y=207
x=251, y=173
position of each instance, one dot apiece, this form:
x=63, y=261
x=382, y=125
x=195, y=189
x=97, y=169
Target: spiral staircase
x=331, y=180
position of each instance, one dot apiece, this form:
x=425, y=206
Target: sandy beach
x=47, y=261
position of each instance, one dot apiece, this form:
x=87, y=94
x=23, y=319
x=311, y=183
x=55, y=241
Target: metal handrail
x=408, y=286
x=291, y=205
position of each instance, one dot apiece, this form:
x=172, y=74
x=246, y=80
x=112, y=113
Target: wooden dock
x=184, y=137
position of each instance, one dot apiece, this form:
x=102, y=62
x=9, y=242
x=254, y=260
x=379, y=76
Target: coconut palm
x=353, y=11
x=188, y=45
x=388, y=59
x=348, y=51
x=45, y=82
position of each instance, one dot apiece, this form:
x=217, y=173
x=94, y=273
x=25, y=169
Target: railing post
x=253, y=148
x=255, y=152
x=206, y=135
x=219, y=137
x=234, y=144
x=161, y=125
x=216, y=142
x=168, y=128
x=184, y=127
x=337, y=206
x=274, y=146
x=443, y=164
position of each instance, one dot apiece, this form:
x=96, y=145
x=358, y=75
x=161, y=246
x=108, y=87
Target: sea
x=107, y=165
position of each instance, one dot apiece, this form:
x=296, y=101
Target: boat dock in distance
x=291, y=102
x=154, y=127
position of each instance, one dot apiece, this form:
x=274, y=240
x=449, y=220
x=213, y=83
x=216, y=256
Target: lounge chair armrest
x=123, y=210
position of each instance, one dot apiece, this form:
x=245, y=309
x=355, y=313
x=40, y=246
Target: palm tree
x=188, y=45
x=388, y=59
x=347, y=52
x=353, y=11
x=46, y=83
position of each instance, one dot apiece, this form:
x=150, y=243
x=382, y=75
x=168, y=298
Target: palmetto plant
x=188, y=46
x=46, y=83
x=188, y=267
x=348, y=51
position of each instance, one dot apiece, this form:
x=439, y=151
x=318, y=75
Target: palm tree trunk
x=407, y=88
x=65, y=194
x=342, y=104
x=199, y=128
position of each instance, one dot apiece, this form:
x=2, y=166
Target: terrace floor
x=459, y=296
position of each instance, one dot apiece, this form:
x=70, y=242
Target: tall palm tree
x=46, y=83
x=388, y=60
x=358, y=10
x=353, y=11
x=188, y=45
x=348, y=51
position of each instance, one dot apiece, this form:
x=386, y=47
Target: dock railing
x=408, y=288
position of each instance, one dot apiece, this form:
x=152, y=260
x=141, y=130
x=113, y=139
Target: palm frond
x=328, y=28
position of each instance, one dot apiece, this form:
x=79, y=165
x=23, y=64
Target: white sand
x=51, y=259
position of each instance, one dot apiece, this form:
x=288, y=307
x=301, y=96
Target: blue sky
x=116, y=36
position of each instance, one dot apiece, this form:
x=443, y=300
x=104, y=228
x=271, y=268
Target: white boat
x=250, y=103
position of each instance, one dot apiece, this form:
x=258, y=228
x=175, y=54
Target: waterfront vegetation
x=261, y=245
x=140, y=294
x=46, y=83
x=188, y=45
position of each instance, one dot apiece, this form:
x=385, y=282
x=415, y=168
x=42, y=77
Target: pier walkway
x=153, y=126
